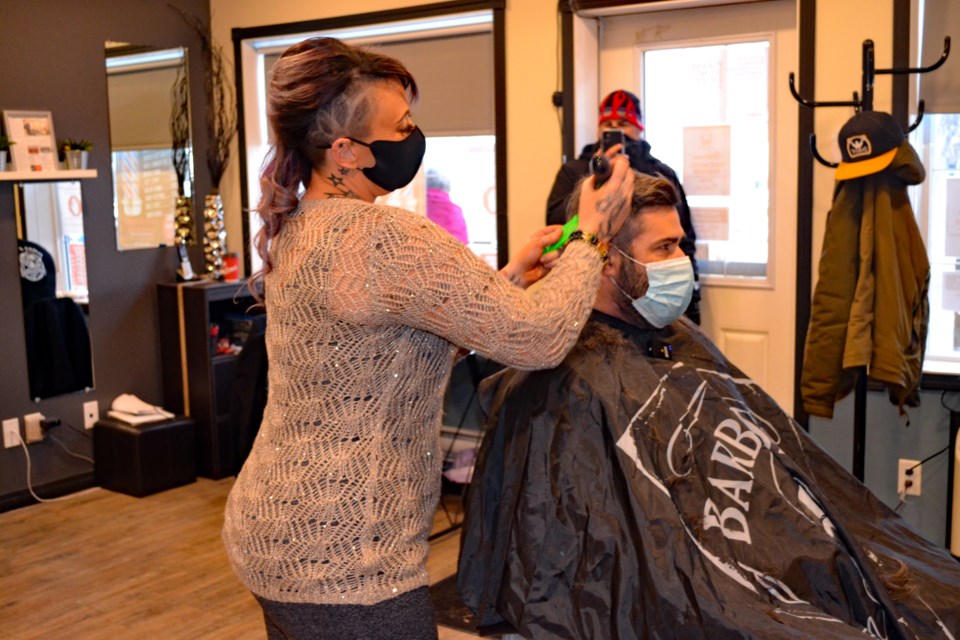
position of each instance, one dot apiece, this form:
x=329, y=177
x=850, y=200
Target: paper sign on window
x=711, y=223
x=951, y=291
x=706, y=161
x=952, y=239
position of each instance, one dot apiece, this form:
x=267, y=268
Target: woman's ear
x=342, y=153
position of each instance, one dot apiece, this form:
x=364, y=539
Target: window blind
x=455, y=78
x=140, y=106
x=940, y=89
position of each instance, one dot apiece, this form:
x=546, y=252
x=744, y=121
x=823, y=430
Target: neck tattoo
x=337, y=182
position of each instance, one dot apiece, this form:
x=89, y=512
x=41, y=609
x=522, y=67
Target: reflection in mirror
x=53, y=282
x=141, y=85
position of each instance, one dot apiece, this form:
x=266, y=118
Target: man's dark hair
x=648, y=191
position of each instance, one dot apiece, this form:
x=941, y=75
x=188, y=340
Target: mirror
x=53, y=283
x=151, y=149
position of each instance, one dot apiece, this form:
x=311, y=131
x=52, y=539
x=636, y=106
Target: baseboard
x=55, y=489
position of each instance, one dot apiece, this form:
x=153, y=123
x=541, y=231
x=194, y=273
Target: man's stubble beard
x=634, y=282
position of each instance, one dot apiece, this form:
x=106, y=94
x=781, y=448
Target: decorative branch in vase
x=221, y=128
x=180, y=142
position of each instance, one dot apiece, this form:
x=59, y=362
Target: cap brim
x=638, y=125
x=851, y=170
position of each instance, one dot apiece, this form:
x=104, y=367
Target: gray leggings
x=407, y=617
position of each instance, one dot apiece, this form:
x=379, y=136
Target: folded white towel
x=131, y=418
x=127, y=403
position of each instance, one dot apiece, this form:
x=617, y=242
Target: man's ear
x=612, y=266
x=343, y=154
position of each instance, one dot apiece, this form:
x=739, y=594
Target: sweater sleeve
x=422, y=277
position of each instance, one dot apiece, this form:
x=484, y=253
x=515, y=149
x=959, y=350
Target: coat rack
x=864, y=102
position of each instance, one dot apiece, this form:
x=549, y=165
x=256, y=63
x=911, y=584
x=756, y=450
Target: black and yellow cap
x=868, y=142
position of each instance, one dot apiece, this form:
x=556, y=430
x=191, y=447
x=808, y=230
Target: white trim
x=143, y=61
x=441, y=26
x=664, y=5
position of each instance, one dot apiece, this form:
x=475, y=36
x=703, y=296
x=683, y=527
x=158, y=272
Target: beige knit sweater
x=366, y=305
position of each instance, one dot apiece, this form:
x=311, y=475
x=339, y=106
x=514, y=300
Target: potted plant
x=76, y=152
x=5, y=144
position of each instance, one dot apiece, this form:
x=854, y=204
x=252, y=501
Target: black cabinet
x=197, y=380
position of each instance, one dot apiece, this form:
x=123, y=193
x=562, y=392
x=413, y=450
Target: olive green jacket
x=870, y=305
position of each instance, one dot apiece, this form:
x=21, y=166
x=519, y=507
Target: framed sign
x=35, y=147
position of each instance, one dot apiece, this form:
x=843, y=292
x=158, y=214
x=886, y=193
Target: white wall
x=842, y=26
x=533, y=133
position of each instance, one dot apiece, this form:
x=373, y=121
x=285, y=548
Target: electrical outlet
x=11, y=432
x=913, y=477
x=91, y=413
x=31, y=427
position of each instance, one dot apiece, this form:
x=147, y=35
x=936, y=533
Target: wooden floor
x=103, y=565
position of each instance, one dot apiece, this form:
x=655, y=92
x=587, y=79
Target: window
x=937, y=204
x=936, y=201
x=707, y=111
x=451, y=57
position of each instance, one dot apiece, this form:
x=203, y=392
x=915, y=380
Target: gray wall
x=52, y=59
x=888, y=438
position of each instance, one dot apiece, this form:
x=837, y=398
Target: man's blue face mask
x=669, y=290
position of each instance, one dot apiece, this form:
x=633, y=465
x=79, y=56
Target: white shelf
x=62, y=174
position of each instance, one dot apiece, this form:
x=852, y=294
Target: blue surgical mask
x=669, y=290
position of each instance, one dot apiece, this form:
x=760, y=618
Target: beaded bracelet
x=602, y=247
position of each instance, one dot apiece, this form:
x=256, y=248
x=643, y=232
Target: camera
x=611, y=137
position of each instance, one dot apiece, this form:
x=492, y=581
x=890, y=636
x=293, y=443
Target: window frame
x=247, y=63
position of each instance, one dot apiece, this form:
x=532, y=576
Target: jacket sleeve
x=689, y=242
x=422, y=277
x=563, y=184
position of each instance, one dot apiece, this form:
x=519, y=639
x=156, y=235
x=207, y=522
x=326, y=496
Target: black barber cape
x=626, y=495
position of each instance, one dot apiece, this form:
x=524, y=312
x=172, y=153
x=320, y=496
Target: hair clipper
x=600, y=169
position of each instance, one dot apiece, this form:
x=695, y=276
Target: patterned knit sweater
x=366, y=306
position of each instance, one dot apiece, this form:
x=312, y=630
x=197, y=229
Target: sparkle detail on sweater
x=365, y=305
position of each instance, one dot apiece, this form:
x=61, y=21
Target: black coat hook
x=934, y=66
x=811, y=103
x=916, y=123
x=816, y=154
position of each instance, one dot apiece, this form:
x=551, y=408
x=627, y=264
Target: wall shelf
x=63, y=174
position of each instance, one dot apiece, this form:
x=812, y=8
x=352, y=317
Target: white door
x=717, y=109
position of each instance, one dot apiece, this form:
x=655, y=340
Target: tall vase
x=214, y=236
x=183, y=234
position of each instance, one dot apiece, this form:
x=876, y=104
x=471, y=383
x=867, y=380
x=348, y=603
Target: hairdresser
x=367, y=306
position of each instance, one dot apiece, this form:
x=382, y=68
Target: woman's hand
x=530, y=264
x=603, y=211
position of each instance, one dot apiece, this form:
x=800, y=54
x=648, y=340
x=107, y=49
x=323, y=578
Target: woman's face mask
x=669, y=290
x=397, y=161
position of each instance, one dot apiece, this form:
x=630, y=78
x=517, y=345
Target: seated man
x=646, y=488
x=620, y=111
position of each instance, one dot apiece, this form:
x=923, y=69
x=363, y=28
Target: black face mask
x=397, y=161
